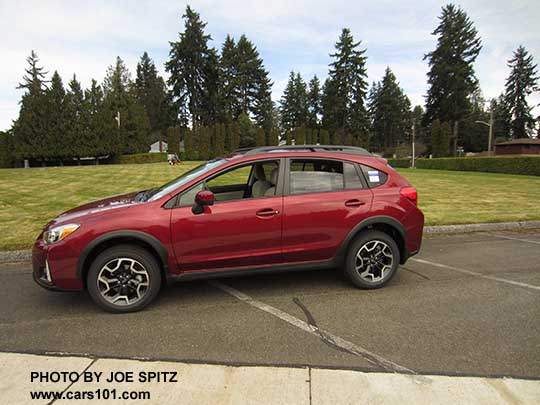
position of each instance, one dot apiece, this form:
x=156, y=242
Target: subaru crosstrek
x=265, y=209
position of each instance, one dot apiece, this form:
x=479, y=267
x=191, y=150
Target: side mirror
x=202, y=198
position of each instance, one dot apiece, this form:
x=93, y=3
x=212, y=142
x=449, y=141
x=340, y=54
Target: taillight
x=410, y=193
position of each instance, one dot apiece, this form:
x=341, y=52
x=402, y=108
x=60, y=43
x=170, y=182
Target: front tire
x=372, y=260
x=124, y=279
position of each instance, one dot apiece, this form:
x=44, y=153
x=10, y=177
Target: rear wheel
x=124, y=279
x=372, y=260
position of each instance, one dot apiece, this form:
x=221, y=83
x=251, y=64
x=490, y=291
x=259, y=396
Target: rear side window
x=351, y=176
x=373, y=176
x=315, y=176
x=319, y=176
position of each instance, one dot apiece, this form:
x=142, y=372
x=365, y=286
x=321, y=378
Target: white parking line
x=474, y=273
x=536, y=242
x=373, y=358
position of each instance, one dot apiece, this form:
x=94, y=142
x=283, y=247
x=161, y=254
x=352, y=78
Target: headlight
x=60, y=232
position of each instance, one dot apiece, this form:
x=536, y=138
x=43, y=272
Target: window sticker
x=373, y=176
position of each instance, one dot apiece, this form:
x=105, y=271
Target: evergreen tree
x=219, y=147
x=475, y=136
x=189, y=153
x=390, y=111
x=294, y=103
x=151, y=92
x=246, y=131
x=173, y=140
x=440, y=138
x=345, y=89
x=263, y=108
x=451, y=77
x=274, y=137
x=133, y=125
x=204, y=143
x=422, y=136
x=314, y=102
x=501, y=118
x=260, y=137
x=300, y=136
x=31, y=127
x=324, y=137
x=212, y=106
x=100, y=137
x=521, y=82
x=77, y=133
x=251, y=76
x=234, y=130
x=187, y=65
x=229, y=79
x=58, y=144
x=288, y=138
x=7, y=156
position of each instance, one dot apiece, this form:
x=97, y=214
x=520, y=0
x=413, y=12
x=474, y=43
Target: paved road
x=466, y=305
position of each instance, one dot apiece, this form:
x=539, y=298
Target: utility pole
x=490, y=141
x=117, y=118
x=413, y=145
x=490, y=126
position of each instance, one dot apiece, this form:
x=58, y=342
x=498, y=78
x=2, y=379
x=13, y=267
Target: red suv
x=265, y=209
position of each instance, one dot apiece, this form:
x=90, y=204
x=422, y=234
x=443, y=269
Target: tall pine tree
x=314, y=102
x=451, y=77
x=151, y=93
x=187, y=65
x=390, y=111
x=58, y=144
x=345, y=90
x=32, y=124
x=133, y=126
x=521, y=82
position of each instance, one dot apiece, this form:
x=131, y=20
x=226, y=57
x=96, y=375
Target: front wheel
x=372, y=260
x=124, y=279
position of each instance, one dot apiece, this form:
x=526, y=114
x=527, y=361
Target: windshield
x=172, y=185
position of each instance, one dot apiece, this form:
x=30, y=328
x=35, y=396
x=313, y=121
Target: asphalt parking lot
x=467, y=305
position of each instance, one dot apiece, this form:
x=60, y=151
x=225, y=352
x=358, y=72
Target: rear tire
x=372, y=260
x=124, y=279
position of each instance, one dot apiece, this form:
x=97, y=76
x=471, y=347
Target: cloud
x=85, y=37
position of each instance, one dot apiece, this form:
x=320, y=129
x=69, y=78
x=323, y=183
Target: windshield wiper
x=144, y=195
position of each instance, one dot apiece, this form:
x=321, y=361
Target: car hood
x=95, y=207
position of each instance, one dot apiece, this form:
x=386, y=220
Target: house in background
x=520, y=146
x=158, y=146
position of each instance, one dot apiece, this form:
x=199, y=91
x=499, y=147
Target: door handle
x=354, y=203
x=267, y=213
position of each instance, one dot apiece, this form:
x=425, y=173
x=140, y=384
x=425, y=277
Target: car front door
x=244, y=226
x=324, y=200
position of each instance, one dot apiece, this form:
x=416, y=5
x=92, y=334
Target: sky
x=84, y=37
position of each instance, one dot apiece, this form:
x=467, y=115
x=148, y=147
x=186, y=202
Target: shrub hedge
x=144, y=158
x=399, y=162
x=527, y=165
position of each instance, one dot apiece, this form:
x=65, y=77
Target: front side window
x=254, y=180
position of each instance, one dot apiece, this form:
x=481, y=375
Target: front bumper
x=54, y=267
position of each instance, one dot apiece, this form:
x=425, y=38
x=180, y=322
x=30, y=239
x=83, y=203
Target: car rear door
x=324, y=199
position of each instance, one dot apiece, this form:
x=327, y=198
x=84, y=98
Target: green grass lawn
x=29, y=198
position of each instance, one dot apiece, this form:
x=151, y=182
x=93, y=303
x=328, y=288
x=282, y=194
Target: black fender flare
x=379, y=219
x=127, y=233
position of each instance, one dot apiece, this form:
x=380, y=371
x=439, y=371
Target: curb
x=467, y=228
x=12, y=256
